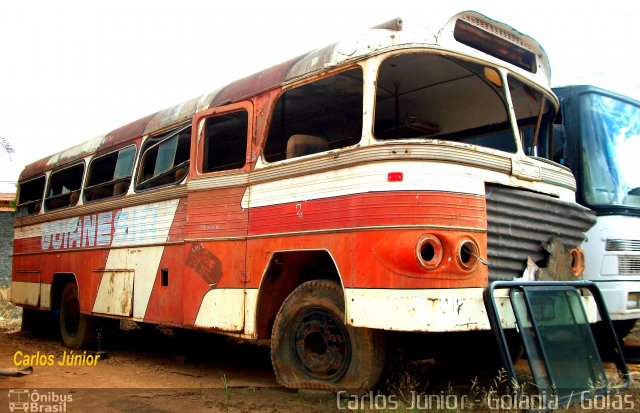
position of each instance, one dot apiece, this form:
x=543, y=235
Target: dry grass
x=10, y=315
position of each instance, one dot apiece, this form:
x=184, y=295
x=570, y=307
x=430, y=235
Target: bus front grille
x=520, y=221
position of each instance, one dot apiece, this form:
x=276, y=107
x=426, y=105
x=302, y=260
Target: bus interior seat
x=300, y=145
x=74, y=197
x=99, y=193
x=120, y=188
x=181, y=173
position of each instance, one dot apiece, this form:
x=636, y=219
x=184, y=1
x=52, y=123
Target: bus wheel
x=311, y=347
x=75, y=327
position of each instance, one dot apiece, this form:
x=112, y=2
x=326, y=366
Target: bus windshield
x=428, y=96
x=610, y=130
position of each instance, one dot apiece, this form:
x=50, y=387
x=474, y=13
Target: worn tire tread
x=370, y=343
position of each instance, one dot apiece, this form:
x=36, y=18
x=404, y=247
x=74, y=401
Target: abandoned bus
x=598, y=137
x=378, y=184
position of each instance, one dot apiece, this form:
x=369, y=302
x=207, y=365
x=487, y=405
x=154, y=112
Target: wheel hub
x=322, y=344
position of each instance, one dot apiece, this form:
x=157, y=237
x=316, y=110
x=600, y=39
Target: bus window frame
x=27, y=203
x=140, y=158
x=198, y=137
x=113, y=181
x=500, y=91
x=293, y=85
x=80, y=190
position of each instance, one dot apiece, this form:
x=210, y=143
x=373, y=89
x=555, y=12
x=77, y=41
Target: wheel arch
x=286, y=270
x=57, y=286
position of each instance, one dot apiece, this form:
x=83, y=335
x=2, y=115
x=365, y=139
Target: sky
x=74, y=70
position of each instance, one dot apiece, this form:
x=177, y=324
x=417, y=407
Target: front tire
x=311, y=347
x=75, y=327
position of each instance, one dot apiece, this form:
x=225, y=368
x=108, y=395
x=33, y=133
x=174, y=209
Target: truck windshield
x=610, y=130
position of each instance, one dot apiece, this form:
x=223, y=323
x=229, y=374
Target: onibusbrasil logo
x=25, y=400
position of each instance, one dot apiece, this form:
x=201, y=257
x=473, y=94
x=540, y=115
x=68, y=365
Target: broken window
x=427, y=96
x=110, y=174
x=30, y=196
x=165, y=159
x=64, y=187
x=225, y=141
x=317, y=117
x=534, y=114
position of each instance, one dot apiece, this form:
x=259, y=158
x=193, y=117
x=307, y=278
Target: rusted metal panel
x=126, y=133
x=520, y=222
x=114, y=138
x=34, y=169
x=314, y=61
x=172, y=115
x=115, y=294
x=254, y=84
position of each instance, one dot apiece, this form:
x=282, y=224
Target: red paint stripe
x=371, y=209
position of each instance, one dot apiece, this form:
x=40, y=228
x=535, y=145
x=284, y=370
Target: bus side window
x=316, y=117
x=30, y=196
x=110, y=174
x=225, y=141
x=64, y=188
x=165, y=159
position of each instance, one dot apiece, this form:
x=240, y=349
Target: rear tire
x=312, y=348
x=75, y=327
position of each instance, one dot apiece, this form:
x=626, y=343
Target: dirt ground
x=146, y=371
x=155, y=370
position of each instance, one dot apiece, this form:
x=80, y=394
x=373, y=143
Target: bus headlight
x=429, y=251
x=467, y=254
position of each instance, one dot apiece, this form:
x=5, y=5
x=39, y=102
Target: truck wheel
x=312, y=348
x=75, y=327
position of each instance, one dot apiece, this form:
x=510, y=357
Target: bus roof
x=374, y=41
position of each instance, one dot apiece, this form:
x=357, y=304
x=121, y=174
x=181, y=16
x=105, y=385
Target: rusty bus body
x=378, y=184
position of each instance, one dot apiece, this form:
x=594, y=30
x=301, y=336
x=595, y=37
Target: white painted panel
x=222, y=309
x=144, y=224
x=368, y=178
x=143, y=263
x=25, y=293
x=134, y=226
x=115, y=294
x=45, y=295
x=434, y=310
x=250, y=311
x=27, y=232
